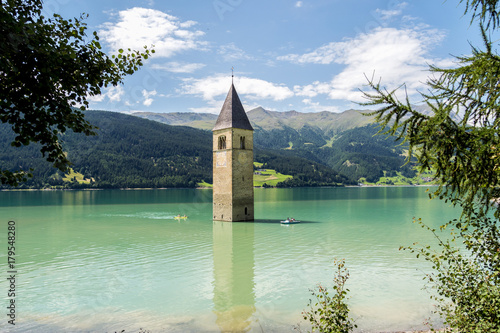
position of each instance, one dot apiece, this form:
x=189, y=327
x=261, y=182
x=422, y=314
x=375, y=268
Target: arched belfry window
x=242, y=142
x=222, y=142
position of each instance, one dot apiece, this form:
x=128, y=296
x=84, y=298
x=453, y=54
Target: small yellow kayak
x=178, y=217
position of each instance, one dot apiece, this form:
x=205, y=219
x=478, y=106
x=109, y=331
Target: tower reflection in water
x=234, y=296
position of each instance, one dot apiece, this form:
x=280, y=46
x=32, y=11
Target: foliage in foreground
x=467, y=283
x=48, y=69
x=330, y=313
x=464, y=154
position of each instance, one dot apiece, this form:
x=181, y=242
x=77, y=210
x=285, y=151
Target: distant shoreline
x=193, y=188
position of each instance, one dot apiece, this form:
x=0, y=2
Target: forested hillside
x=304, y=174
x=344, y=142
x=133, y=152
x=356, y=154
x=127, y=152
x=277, y=130
x=360, y=153
x=204, y=121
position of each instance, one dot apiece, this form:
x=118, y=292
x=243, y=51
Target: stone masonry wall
x=233, y=176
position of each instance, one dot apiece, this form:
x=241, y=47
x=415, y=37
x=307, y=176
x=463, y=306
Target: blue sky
x=308, y=55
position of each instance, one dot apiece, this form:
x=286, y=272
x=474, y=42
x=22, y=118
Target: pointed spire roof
x=233, y=114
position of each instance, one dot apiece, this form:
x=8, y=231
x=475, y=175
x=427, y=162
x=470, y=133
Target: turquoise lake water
x=112, y=260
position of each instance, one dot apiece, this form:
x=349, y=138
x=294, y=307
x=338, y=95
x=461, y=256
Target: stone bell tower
x=233, y=162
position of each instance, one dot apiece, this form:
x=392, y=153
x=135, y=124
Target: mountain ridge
x=345, y=142
x=268, y=119
x=132, y=152
x=321, y=148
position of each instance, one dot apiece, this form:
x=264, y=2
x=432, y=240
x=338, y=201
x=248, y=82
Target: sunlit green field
x=268, y=176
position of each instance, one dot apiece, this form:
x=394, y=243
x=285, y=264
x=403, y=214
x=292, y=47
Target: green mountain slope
x=356, y=153
x=133, y=152
x=328, y=122
x=346, y=142
x=204, y=121
x=343, y=141
x=277, y=130
x=360, y=153
x=127, y=152
x=305, y=171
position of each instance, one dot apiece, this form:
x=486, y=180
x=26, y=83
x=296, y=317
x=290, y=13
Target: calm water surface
x=104, y=261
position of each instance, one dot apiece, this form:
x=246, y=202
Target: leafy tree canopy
x=466, y=157
x=48, y=68
x=465, y=154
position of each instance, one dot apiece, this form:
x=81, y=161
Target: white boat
x=290, y=221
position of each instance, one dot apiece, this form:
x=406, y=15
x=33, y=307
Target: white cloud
x=138, y=27
x=323, y=55
x=188, y=24
x=207, y=109
x=386, y=14
x=312, y=90
x=298, y=4
x=396, y=55
x=147, y=97
x=317, y=107
x=211, y=87
x=230, y=52
x=215, y=107
x=177, y=67
x=96, y=98
x=113, y=94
